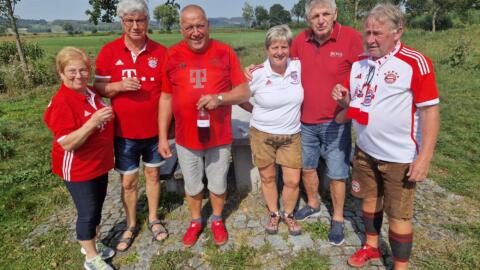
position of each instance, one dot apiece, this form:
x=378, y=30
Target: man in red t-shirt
x=202, y=79
x=128, y=72
x=327, y=51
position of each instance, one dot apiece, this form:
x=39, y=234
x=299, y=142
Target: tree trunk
x=355, y=11
x=434, y=19
x=18, y=42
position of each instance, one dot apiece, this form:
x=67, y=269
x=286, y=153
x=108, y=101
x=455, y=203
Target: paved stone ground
x=245, y=217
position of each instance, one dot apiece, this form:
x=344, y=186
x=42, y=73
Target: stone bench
x=247, y=178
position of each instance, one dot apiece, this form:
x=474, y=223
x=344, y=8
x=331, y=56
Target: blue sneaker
x=336, y=236
x=307, y=212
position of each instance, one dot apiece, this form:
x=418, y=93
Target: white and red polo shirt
x=386, y=94
x=277, y=99
x=136, y=112
x=68, y=111
x=188, y=76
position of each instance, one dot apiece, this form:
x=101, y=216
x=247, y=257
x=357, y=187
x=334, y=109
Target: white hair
x=387, y=13
x=311, y=3
x=278, y=32
x=125, y=7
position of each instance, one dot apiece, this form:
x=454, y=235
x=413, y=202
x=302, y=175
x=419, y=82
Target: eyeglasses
x=139, y=22
x=74, y=72
x=190, y=28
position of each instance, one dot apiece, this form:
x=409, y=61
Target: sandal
x=293, y=228
x=159, y=231
x=127, y=240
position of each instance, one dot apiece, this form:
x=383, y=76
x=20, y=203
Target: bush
x=7, y=149
x=425, y=22
x=8, y=51
x=3, y=87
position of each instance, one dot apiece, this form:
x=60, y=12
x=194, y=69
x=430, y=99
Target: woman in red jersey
x=82, y=150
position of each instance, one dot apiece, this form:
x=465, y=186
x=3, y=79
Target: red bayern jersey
x=136, y=112
x=188, y=76
x=388, y=92
x=67, y=112
x=324, y=66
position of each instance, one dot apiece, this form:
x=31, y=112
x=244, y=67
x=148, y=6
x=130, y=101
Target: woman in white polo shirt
x=275, y=125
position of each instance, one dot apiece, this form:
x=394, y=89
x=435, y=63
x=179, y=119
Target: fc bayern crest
x=152, y=62
x=294, y=76
x=391, y=77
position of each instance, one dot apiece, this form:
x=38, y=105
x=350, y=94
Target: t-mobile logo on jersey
x=129, y=73
x=198, y=77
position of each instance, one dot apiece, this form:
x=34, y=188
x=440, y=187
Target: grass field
x=29, y=193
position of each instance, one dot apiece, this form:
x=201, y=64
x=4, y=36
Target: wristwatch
x=219, y=99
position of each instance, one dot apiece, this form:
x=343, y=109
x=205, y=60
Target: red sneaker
x=220, y=234
x=192, y=233
x=364, y=255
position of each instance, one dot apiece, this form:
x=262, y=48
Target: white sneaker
x=97, y=264
x=104, y=251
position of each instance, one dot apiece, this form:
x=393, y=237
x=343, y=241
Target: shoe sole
x=317, y=214
x=271, y=232
x=220, y=244
x=337, y=244
x=362, y=265
x=103, y=258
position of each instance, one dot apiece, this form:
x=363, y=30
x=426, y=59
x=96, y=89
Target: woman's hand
x=102, y=116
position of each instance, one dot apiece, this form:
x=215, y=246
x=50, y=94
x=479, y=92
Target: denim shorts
x=128, y=152
x=330, y=141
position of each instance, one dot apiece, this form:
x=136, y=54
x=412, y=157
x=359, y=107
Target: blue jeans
x=128, y=152
x=332, y=142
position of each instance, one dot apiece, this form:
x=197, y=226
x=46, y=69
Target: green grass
x=308, y=260
x=461, y=251
x=317, y=230
x=170, y=260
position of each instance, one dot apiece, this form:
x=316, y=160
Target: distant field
x=93, y=43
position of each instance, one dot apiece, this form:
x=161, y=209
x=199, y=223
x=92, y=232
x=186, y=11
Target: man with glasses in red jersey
x=128, y=71
x=202, y=80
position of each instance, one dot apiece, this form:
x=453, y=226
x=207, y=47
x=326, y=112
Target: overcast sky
x=75, y=9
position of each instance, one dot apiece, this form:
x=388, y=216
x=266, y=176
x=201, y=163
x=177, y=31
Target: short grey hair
x=387, y=13
x=191, y=7
x=278, y=32
x=125, y=7
x=311, y=3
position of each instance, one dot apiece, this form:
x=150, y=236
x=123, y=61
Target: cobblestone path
x=245, y=218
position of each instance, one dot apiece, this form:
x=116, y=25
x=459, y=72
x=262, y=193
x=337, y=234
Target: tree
x=437, y=9
x=103, y=10
x=278, y=15
x=261, y=17
x=298, y=10
x=7, y=9
x=173, y=4
x=166, y=16
x=68, y=27
x=248, y=13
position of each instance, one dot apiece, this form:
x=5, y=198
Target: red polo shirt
x=188, y=76
x=136, y=112
x=67, y=112
x=323, y=66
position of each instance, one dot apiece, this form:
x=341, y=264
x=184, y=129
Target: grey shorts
x=215, y=166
